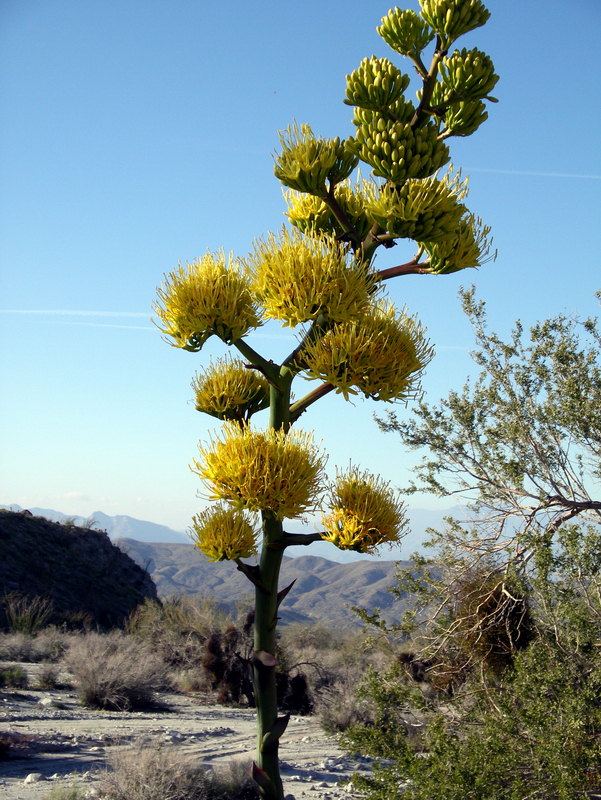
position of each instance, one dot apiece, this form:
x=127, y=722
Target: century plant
x=318, y=276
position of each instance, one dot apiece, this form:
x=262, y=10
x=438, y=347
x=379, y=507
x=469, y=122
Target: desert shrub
x=66, y=793
x=178, y=627
x=48, y=677
x=339, y=707
x=48, y=645
x=13, y=677
x=115, y=671
x=24, y=614
x=300, y=638
x=165, y=774
x=536, y=734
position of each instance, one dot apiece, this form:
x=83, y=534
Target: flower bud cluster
x=376, y=85
x=466, y=75
x=398, y=152
x=211, y=296
x=312, y=216
x=452, y=18
x=221, y=533
x=405, y=32
x=300, y=278
x=470, y=247
x=380, y=354
x=262, y=470
x=427, y=210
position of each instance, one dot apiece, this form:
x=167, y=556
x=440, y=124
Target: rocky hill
x=324, y=590
x=83, y=573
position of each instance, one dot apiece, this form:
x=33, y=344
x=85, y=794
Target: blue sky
x=139, y=134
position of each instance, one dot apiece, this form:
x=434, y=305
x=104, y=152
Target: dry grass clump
x=164, y=774
x=115, y=671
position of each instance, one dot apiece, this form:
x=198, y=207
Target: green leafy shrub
x=13, y=677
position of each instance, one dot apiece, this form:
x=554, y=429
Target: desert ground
x=56, y=742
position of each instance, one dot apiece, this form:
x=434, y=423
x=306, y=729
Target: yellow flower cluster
x=223, y=534
x=381, y=354
x=230, y=390
x=209, y=296
x=365, y=513
x=306, y=163
x=297, y=278
x=309, y=214
x=424, y=210
x=470, y=247
x=263, y=470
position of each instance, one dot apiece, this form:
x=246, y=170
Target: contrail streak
x=535, y=174
x=57, y=312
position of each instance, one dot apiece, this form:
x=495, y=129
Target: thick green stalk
x=269, y=725
x=266, y=603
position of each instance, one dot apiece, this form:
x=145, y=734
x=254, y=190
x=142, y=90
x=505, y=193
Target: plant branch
x=410, y=268
x=298, y=408
x=423, y=110
x=268, y=368
x=342, y=219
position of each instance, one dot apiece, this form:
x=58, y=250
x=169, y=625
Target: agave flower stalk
x=319, y=278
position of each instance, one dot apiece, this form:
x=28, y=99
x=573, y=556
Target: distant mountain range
x=324, y=591
x=117, y=527
x=325, y=587
x=121, y=526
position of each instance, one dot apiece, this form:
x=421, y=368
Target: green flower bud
x=405, y=32
x=376, y=85
x=452, y=18
x=396, y=152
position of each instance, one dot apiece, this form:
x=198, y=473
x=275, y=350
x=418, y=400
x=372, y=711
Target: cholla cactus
x=319, y=278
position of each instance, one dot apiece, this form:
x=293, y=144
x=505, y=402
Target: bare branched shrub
x=338, y=706
x=48, y=677
x=114, y=671
x=178, y=627
x=298, y=637
x=48, y=645
x=190, y=681
x=165, y=774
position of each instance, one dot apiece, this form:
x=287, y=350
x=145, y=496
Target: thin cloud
x=70, y=313
x=57, y=312
x=534, y=174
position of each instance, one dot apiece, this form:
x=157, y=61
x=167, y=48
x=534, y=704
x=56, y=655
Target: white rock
x=34, y=777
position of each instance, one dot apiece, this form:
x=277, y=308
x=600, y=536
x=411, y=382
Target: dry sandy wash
x=58, y=742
